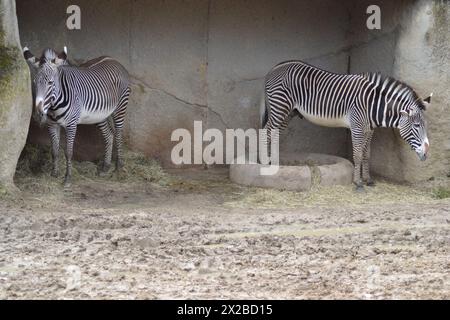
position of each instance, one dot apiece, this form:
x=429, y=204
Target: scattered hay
x=35, y=165
x=3, y=192
x=181, y=184
x=441, y=193
x=382, y=193
x=140, y=168
x=264, y=198
x=34, y=168
x=316, y=175
x=313, y=165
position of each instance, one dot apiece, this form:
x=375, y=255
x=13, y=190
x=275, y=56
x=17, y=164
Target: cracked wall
x=206, y=59
x=246, y=39
x=414, y=47
x=195, y=60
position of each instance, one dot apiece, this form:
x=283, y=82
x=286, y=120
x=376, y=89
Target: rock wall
x=413, y=46
x=246, y=39
x=15, y=95
x=195, y=60
x=205, y=60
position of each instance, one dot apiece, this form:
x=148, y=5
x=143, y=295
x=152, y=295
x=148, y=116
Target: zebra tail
x=264, y=112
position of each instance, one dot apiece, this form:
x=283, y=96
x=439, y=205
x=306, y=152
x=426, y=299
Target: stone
x=413, y=46
x=15, y=95
x=297, y=171
x=207, y=62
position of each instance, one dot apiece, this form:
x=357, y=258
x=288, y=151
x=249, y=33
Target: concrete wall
x=195, y=60
x=205, y=60
x=414, y=47
x=247, y=38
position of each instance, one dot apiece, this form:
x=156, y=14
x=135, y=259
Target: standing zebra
x=93, y=93
x=360, y=102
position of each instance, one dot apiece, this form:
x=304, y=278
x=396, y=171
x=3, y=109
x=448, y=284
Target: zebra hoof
x=55, y=174
x=359, y=188
x=103, y=170
x=264, y=164
x=371, y=183
x=102, y=174
x=67, y=182
x=119, y=166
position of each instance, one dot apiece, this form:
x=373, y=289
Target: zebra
x=359, y=102
x=96, y=92
x=48, y=54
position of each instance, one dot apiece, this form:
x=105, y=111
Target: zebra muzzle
x=423, y=153
x=426, y=148
x=40, y=108
x=43, y=119
x=42, y=115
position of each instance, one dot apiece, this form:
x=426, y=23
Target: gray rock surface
x=205, y=60
x=15, y=95
x=297, y=172
x=414, y=47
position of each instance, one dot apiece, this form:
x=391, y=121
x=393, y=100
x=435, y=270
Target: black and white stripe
x=96, y=92
x=360, y=102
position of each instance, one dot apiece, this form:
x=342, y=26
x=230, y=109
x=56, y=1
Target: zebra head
x=412, y=126
x=45, y=78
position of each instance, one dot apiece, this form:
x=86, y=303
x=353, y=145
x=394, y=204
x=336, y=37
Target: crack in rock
x=145, y=84
x=220, y=118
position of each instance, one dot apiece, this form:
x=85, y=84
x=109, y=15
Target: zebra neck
x=59, y=90
x=389, y=120
x=384, y=115
x=384, y=108
x=62, y=94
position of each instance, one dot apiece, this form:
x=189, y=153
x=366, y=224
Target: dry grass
x=441, y=193
x=33, y=176
x=34, y=168
x=382, y=193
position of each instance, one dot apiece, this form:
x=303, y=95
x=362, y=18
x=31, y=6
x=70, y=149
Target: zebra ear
x=31, y=59
x=407, y=113
x=427, y=101
x=62, y=57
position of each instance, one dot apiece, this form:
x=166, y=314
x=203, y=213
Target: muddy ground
x=198, y=236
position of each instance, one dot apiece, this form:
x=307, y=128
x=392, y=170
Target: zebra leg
x=266, y=142
x=70, y=138
x=118, y=119
x=54, y=132
x=267, y=139
x=366, y=161
x=358, y=144
x=107, y=133
x=279, y=115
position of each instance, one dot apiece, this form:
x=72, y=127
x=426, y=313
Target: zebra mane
x=379, y=80
x=47, y=55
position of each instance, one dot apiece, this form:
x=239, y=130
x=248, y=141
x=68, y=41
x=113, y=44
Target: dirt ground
x=198, y=236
